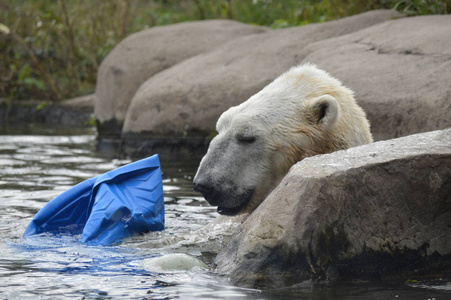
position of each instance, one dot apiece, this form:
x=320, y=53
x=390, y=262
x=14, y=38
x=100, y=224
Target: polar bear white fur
x=304, y=112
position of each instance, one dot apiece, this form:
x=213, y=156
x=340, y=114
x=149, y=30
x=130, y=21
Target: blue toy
x=107, y=208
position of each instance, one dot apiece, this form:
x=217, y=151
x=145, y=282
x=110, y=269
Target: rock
x=187, y=99
x=375, y=211
x=146, y=53
x=72, y=112
x=81, y=103
x=400, y=71
x=70, y=115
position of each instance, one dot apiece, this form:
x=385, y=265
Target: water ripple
x=35, y=169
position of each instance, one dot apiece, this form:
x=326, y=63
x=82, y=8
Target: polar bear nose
x=205, y=189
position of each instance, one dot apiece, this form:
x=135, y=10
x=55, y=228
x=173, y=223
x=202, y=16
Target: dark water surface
x=36, y=167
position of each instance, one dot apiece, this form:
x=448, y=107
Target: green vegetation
x=51, y=50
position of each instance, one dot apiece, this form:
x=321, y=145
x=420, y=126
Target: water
x=35, y=168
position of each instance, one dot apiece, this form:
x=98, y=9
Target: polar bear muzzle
x=229, y=201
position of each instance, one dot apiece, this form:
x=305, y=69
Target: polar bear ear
x=325, y=111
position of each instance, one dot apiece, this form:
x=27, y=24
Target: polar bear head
x=302, y=113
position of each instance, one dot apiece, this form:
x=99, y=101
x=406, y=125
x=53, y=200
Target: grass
x=51, y=50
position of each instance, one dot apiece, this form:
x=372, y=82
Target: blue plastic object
x=107, y=208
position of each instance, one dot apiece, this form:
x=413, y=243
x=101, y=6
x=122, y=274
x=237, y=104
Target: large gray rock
x=400, y=71
x=378, y=210
x=187, y=99
x=146, y=53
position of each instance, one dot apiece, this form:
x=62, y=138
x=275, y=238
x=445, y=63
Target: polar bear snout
x=206, y=186
x=228, y=200
x=205, y=189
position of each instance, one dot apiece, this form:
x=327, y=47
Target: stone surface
x=146, y=53
x=375, y=211
x=400, y=71
x=187, y=99
x=71, y=114
x=83, y=102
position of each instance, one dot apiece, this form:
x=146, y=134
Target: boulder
x=400, y=71
x=187, y=99
x=77, y=111
x=148, y=52
x=375, y=211
x=72, y=115
x=82, y=103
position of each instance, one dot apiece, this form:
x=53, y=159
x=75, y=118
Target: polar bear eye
x=245, y=139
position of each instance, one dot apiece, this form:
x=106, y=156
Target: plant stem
x=73, y=50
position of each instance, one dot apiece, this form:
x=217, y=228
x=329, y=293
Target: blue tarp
x=107, y=208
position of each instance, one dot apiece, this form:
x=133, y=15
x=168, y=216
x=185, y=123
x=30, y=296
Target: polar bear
x=303, y=112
